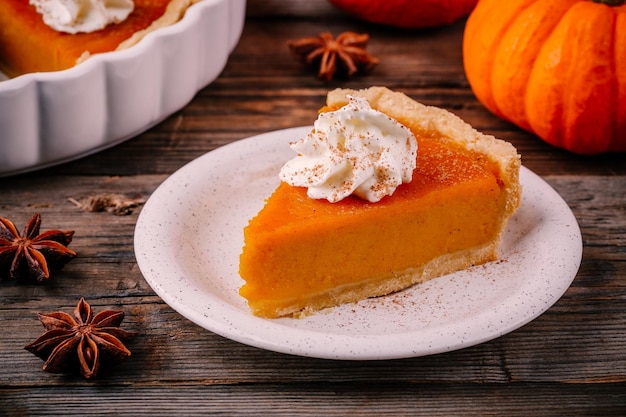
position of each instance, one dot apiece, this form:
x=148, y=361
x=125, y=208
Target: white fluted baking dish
x=53, y=117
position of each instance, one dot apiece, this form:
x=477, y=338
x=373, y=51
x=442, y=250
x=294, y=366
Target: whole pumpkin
x=407, y=14
x=556, y=68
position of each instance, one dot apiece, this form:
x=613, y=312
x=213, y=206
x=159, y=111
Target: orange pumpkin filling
x=27, y=44
x=302, y=254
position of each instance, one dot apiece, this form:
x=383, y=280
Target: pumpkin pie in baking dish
x=27, y=44
x=304, y=253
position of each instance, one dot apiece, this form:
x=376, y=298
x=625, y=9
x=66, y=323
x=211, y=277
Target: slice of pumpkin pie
x=383, y=193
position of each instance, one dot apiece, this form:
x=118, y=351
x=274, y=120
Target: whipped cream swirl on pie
x=74, y=16
x=353, y=150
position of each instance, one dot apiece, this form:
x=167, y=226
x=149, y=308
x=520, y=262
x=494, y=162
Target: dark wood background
x=571, y=361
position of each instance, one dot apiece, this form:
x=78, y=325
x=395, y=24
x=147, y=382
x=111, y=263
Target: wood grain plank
x=289, y=9
x=328, y=400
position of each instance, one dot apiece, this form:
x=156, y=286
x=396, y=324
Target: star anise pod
x=346, y=54
x=32, y=255
x=83, y=340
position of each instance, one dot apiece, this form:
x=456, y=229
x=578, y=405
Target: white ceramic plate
x=52, y=117
x=189, y=236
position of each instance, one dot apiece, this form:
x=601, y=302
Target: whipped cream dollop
x=74, y=16
x=353, y=150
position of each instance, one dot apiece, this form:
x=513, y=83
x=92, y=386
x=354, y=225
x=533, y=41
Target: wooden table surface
x=570, y=361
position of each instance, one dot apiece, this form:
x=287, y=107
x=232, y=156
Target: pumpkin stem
x=610, y=2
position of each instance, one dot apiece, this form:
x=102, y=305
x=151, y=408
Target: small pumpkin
x=407, y=14
x=556, y=68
